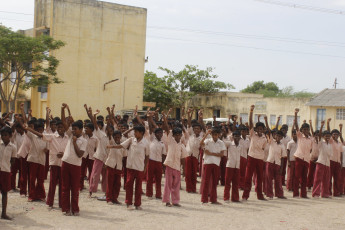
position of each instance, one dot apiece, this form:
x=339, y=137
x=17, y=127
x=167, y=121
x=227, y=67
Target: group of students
x=232, y=154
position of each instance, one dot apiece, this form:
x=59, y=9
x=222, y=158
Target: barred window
x=244, y=117
x=290, y=118
x=340, y=114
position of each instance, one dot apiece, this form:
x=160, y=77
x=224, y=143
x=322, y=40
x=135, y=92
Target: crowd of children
x=232, y=154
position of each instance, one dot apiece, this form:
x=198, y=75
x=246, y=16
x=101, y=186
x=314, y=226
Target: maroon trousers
x=82, y=172
x=113, y=184
x=24, y=176
x=283, y=174
x=256, y=165
x=222, y=170
x=191, y=169
x=342, y=184
x=273, y=173
x=124, y=171
x=335, y=169
x=211, y=172
x=70, y=176
x=311, y=172
x=134, y=175
x=290, y=176
x=243, y=166
x=301, y=173
x=46, y=166
x=55, y=179
x=232, y=177
x=15, y=167
x=154, y=173
x=201, y=155
x=89, y=167
x=321, y=181
x=36, y=185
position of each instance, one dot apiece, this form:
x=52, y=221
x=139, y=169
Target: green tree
x=25, y=62
x=190, y=81
x=269, y=89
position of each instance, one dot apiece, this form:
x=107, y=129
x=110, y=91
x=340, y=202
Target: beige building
x=104, y=42
x=224, y=103
x=329, y=103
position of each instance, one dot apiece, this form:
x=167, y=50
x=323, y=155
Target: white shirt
x=37, y=154
x=114, y=159
x=343, y=157
x=257, y=145
x=233, y=154
x=157, y=149
x=193, y=145
x=176, y=152
x=57, y=145
x=24, y=149
x=70, y=156
x=17, y=140
x=136, y=153
x=91, y=146
x=102, y=143
x=325, y=152
x=276, y=152
x=245, y=143
x=6, y=153
x=292, y=147
x=213, y=147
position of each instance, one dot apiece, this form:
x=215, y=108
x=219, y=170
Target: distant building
x=329, y=103
x=104, y=41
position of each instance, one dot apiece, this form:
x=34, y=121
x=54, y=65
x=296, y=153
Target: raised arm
x=341, y=133
x=23, y=113
x=202, y=142
x=201, y=119
x=165, y=123
x=328, y=126
x=33, y=131
x=266, y=123
x=152, y=124
x=277, y=124
x=63, y=116
x=296, y=121
x=320, y=133
x=251, y=125
x=79, y=152
x=189, y=117
x=311, y=127
x=48, y=117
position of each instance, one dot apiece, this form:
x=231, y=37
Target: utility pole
x=335, y=83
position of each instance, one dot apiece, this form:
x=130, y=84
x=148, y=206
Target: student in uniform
x=291, y=149
x=8, y=152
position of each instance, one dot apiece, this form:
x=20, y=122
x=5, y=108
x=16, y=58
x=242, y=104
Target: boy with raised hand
x=71, y=164
x=8, y=152
x=291, y=149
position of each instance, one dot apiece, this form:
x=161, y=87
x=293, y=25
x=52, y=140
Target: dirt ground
x=253, y=214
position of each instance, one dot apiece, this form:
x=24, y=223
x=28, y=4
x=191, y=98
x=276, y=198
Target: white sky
x=228, y=28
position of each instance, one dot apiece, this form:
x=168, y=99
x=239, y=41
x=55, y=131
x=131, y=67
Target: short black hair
x=176, y=131
x=100, y=117
x=158, y=130
x=78, y=124
x=38, y=125
x=326, y=132
x=57, y=118
x=117, y=132
x=87, y=121
x=139, y=128
x=100, y=123
x=216, y=129
x=41, y=120
x=53, y=122
x=59, y=123
x=90, y=126
x=125, y=125
x=6, y=129
x=294, y=131
x=335, y=131
x=259, y=124
x=280, y=133
x=196, y=125
x=236, y=133
x=305, y=126
x=31, y=122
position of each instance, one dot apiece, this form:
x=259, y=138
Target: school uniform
x=89, y=152
x=23, y=152
x=342, y=184
x=302, y=158
x=273, y=167
x=100, y=157
x=232, y=174
x=114, y=170
x=57, y=144
x=192, y=162
x=70, y=174
x=124, y=163
x=284, y=141
x=211, y=169
x=176, y=152
x=223, y=161
x=245, y=143
x=17, y=140
x=292, y=147
x=36, y=160
x=6, y=153
x=312, y=163
x=155, y=167
x=135, y=167
x=335, y=168
x=322, y=173
x=255, y=162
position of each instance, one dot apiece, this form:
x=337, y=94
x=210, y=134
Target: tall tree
x=269, y=89
x=25, y=62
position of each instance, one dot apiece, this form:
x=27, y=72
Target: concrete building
x=104, y=42
x=329, y=103
x=224, y=103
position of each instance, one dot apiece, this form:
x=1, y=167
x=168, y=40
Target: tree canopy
x=175, y=88
x=271, y=89
x=25, y=62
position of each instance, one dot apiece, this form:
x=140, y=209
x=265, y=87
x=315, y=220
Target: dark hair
x=139, y=128
x=159, y=123
x=216, y=129
x=4, y=114
x=17, y=125
x=117, y=132
x=100, y=123
x=196, y=125
x=57, y=119
x=125, y=125
x=316, y=132
x=31, y=122
x=125, y=116
x=41, y=120
x=294, y=131
x=78, y=124
x=90, y=126
x=33, y=118
x=158, y=130
x=80, y=121
x=176, y=131
x=87, y=121
x=259, y=124
x=135, y=120
x=38, y=125
x=100, y=117
x=326, y=132
x=236, y=133
x=110, y=127
x=6, y=129
x=335, y=131
x=280, y=133
x=53, y=122
x=305, y=126
x=59, y=123
x=285, y=126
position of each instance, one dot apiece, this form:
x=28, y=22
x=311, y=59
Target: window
x=262, y=119
x=244, y=117
x=273, y=120
x=290, y=118
x=340, y=114
x=216, y=113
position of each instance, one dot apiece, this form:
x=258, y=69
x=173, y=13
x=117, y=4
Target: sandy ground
x=253, y=214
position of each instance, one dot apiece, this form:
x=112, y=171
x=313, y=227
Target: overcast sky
x=244, y=40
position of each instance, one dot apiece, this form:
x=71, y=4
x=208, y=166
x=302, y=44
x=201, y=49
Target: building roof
x=329, y=97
